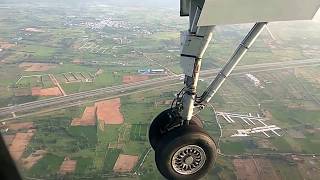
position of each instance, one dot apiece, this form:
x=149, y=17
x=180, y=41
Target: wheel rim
x=188, y=159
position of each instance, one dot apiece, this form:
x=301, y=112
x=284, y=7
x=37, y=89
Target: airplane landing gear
x=181, y=151
x=164, y=122
x=186, y=152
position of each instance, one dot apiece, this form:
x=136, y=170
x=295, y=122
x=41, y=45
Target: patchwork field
x=33, y=158
x=110, y=160
x=88, y=117
x=19, y=144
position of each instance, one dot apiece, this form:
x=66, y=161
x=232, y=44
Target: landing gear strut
x=183, y=150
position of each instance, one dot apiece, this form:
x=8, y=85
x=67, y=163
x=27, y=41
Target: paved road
x=157, y=82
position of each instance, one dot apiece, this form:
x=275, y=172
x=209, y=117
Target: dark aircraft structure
x=183, y=150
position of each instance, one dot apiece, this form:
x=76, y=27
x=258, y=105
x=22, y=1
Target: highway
x=157, y=82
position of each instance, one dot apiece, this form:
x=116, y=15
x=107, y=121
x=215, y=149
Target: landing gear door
x=184, y=7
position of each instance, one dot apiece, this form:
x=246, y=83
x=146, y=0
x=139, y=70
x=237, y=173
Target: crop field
x=286, y=171
x=105, y=136
x=35, y=81
x=50, y=164
x=139, y=132
x=111, y=157
x=254, y=169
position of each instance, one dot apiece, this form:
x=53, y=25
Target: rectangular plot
x=109, y=112
x=46, y=81
x=125, y=163
x=111, y=157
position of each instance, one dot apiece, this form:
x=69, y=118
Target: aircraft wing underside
x=219, y=12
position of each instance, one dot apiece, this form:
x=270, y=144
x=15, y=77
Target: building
x=255, y=80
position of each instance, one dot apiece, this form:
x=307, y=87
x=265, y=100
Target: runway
x=77, y=98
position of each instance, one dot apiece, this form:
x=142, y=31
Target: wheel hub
x=188, y=159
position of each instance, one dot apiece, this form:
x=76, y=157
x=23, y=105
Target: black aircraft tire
x=157, y=127
x=191, y=141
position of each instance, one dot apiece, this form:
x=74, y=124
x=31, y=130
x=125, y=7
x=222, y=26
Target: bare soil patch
x=33, y=158
x=88, y=118
x=125, y=163
x=8, y=139
x=36, y=67
x=54, y=91
x=19, y=144
x=109, y=111
x=67, y=166
x=253, y=169
x=20, y=126
x=132, y=79
x=6, y=45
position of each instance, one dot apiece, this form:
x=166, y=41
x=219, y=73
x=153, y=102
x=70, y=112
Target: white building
x=255, y=80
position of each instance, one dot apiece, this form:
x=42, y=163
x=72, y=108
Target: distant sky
x=159, y=3
x=152, y=3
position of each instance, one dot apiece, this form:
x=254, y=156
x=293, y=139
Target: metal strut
x=242, y=49
x=195, y=44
